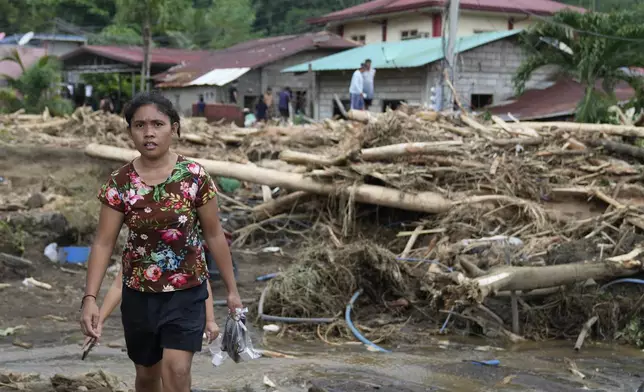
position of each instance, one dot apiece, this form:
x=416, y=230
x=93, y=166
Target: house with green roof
x=410, y=71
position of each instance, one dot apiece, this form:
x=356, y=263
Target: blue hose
x=263, y=278
x=356, y=333
x=625, y=280
x=449, y=316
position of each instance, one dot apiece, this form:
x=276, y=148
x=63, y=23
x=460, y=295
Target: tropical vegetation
x=35, y=89
x=595, y=49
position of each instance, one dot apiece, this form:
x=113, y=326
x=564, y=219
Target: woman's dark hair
x=162, y=103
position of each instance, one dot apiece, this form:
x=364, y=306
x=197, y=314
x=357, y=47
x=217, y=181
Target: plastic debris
x=271, y=328
x=267, y=277
x=491, y=362
x=51, y=252
x=268, y=382
x=235, y=342
x=11, y=330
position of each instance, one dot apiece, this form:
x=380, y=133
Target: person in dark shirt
x=201, y=106
x=261, y=110
x=284, y=101
x=232, y=92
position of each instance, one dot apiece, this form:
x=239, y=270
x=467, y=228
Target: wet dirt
x=48, y=320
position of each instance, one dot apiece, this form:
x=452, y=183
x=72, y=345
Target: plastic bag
x=235, y=342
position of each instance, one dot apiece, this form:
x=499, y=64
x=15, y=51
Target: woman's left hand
x=212, y=331
x=234, y=302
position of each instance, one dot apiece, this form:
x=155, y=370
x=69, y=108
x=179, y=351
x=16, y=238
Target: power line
x=580, y=31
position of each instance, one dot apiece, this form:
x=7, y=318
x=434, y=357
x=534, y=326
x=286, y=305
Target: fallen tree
x=534, y=278
x=609, y=129
x=429, y=202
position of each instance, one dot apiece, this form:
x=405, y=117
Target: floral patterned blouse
x=164, y=250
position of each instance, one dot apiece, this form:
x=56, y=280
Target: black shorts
x=285, y=113
x=154, y=321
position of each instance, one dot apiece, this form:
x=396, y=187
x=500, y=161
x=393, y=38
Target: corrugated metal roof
x=134, y=54
x=381, y=7
x=560, y=99
x=219, y=77
x=403, y=54
x=252, y=54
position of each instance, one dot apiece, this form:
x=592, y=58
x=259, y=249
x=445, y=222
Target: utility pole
x=450, y=55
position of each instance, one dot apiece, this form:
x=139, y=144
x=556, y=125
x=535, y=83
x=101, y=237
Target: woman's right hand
x=90, y=316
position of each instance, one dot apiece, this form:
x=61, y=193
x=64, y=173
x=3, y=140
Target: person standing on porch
x=368, y=75
x=356, y=89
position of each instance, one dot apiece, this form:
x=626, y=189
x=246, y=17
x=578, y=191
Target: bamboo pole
x=428, y=202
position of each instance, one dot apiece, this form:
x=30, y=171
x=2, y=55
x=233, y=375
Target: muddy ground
x=47, y=339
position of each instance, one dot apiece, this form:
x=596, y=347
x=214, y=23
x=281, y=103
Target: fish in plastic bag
x=235, y=342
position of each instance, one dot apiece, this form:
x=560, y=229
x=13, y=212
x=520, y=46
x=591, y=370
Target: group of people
x=361, y=90
x=264, y=107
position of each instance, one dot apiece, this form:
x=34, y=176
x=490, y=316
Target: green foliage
x=9, y=101
x=108, y=84
x=12, y=239
x=633, y=333
x=604, y=5
x=182, y=23
x=289, y=16
x=36, y=88
x=226, y=23
x=39, y=15
x=58, y=106
x=617, y=41
x=116, y=35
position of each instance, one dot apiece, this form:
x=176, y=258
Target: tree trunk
x=428, y=202
x=619, y=148
x=410, y=149
x=147, y=42
x=375, y=154
x=532, y=278
x=616, y=130
x=276, y=206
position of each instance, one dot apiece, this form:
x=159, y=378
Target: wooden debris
x=584, y=332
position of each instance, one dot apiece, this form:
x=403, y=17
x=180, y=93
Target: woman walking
x=166, y=201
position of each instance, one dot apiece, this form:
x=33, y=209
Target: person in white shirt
x=356, y=90
x=368, y=76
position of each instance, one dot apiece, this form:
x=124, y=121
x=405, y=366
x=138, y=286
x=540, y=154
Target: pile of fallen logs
x=492, y=201
x=488, y=206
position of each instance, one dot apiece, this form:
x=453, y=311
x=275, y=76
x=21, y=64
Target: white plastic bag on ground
x=235, y=342
x=51, y=251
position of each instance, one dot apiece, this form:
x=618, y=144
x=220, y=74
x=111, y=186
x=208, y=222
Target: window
x=359, y=38
x=408, y=34
x=250, y=101
x=478, y=101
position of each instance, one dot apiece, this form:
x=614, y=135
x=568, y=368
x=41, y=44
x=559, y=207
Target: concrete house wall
x=486, y=70
x=470, y=22
x=407, y=84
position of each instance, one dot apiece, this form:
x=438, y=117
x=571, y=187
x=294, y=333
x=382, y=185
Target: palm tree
x=147, y=13
x=36, y=86
x=588, y=48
